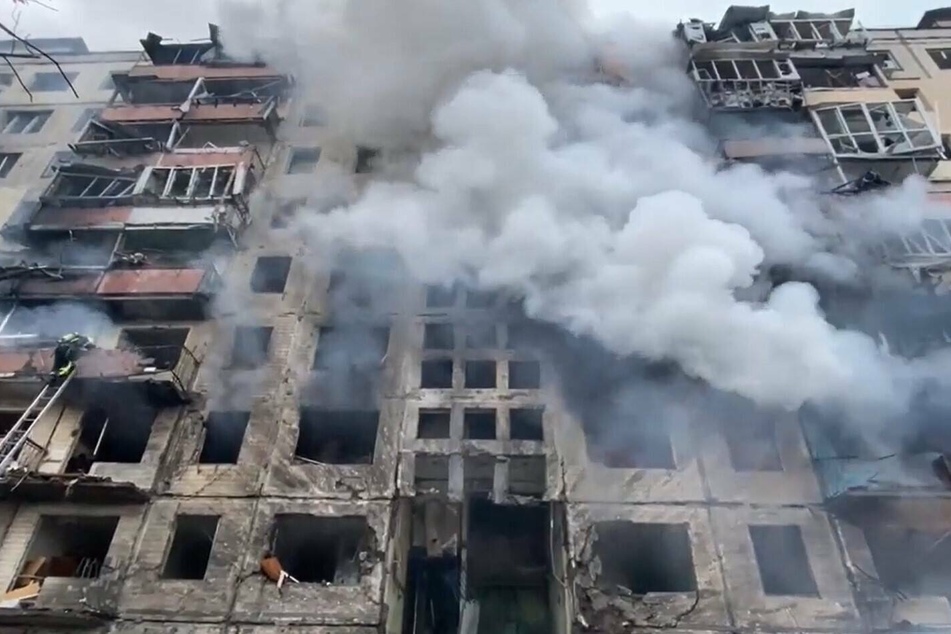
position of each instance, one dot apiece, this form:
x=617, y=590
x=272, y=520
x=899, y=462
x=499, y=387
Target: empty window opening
x=270, y=274
x=161, y=347
x=68, y=546
x=481, y=336
x=480, y=375
x=440, y=297
x=25, y=121
x=200, y=183
x=639, y=445
x=433, y=423
x=526, y=423
x=7, y=161
x=251, y=344
x=321, y=549
x=528, y=475
x=839, y=76
x=118, y=432
x=645, y=557
x=52, y=82
x=911, y=561
x=518, y=539
x=438, y=337
x=91, y=187
x=436, y=374
x=941, y=57
x=352, y=347
x=337, y=436
x=303, y=160
x=479, y=424
x=480, y=299
x=365, y=160
x=525, y=375
x=191, y=547
x=752, y=444
x=224, y=434
x=431, y=474
x=781, y=558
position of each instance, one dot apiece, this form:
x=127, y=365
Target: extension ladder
x=14, y=439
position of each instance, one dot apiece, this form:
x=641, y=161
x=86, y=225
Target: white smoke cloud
x=602, y=206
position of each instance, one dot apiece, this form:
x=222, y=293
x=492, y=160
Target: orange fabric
x=272, y=569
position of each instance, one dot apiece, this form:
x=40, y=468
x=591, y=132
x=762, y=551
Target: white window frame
x=813, y=26
x=872, y=113
x=111, y=187
x=32, y=120
x=221, y=185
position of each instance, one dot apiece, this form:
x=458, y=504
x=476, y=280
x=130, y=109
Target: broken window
x=312, y=116
x=207, y=182
x=52, y=82
x=365, y=159
x=68, y=546
x=931, y=240
x=752, y=444
x=839, y=76
x=433, y=423
x=481, y=337
x=70, y=185
x=811, y=30
x=481, y=299
x=438, y=337
x=941, y=57
x=224, y=434
x=645, y=557
x=337, y=436
x=59, y=159
x=190, y=551
x=25, y=121
x=303, y=160
x=636, y=445
x=270, y=274
x=436, y=374
x=118, y=432
x=321, y=549
x=7, y=161
x=479, y=375
x=878, y=128
x=748, y=83
x=479, y=424
x=525, y=375
x=159, y=346
x=440, y=297
x=781, y=558
x=431, y=473
x=526, y=423
x=251, y=344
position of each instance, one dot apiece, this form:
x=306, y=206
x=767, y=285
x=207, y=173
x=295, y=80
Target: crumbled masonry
x=526, y=327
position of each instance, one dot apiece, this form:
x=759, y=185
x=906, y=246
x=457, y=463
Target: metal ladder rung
x=18, y=435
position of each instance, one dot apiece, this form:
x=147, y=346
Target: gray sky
x=118, y=24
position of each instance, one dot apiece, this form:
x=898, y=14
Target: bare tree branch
x=32, y=51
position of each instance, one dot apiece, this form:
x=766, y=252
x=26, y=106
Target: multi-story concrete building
x=409, y=454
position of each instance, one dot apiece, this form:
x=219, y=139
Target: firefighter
x=68, y=349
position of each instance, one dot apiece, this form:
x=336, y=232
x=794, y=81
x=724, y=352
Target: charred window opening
x=528, y=475
x=303, y=160
x=162, y=346
x=431, y=474
x=481, y=299
x=525, y=375
x=752, y=445
x=69, y=546
x=640, y=445
x=440, y=297
x=191, y=546
x=839, y=76
x=433, y=423
x=645, y=557
x=781, y=558
x=941, y=57
x=478, y=474
x=436, y=374
x=321, y=549
x=480, y=375
x=366, y=157
x=366, y=280
x=512, y=585
x=224, y=434
x=270, y=274
x=117, y=432
x=337, y=436
x=526, y=423
x=481, y=336
x=479, y=424
x=251, y=344
x=348, y=364
x=911, y=561
x=438, y=337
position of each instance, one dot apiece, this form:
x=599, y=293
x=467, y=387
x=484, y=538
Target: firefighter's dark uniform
x=68, y=349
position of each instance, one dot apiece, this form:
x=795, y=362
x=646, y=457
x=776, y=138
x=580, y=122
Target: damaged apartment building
x=264, y=441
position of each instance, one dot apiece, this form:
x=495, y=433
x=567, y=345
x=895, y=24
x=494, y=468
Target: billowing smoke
x=602, y=206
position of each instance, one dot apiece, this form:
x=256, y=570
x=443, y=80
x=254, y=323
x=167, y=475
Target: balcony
x=758, y=27
x=261, y=112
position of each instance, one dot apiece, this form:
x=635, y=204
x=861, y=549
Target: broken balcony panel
x=742, y=82
x=770, y=147
x=878, y=130
x=757, y=24
x=198, y=113
x=82, y=184
x=930, y=246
